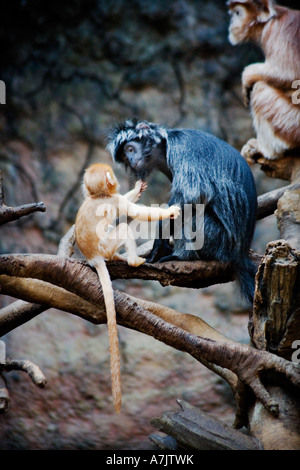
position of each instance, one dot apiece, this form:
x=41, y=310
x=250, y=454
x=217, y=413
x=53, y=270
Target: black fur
x=203, y=170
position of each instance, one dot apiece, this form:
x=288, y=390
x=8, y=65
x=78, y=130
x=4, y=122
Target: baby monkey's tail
x=112, y=332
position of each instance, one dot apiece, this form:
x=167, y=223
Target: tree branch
x=77, y=278
x=6, y=365
x=24, y=365
x=72, y=286
x=180, y=273
x=21, y=312
x=8, y=214
x=267, y=203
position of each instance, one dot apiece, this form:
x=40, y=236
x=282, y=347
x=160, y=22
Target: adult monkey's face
x=138, y=159
x=140, y=146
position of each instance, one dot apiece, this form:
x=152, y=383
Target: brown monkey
x=99, y=239
x=270, y=86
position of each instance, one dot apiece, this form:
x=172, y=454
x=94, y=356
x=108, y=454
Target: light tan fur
x=268, y=86
x=99, y=239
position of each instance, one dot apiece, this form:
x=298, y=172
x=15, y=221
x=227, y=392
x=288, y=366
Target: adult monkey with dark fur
x=203, y=170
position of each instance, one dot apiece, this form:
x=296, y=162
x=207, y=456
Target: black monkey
x=203, y=170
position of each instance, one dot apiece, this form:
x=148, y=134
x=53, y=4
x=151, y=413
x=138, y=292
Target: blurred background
x=72, y=70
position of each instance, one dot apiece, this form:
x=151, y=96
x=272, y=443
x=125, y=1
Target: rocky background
x=72, y=69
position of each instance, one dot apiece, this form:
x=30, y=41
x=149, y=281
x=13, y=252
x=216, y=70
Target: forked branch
x=75, y=278
x=8, y=214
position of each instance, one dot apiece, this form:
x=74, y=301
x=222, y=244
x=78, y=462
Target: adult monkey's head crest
x=130, y=130
x=133, y=143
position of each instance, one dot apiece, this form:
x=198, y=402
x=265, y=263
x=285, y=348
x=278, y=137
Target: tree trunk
x=275, y=323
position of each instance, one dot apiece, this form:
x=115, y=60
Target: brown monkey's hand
x=251, y=152
x=174, y=212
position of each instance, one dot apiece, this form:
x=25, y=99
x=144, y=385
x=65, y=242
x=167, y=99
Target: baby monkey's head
x=100, y=181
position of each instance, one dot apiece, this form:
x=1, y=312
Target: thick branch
x=247, y=363
x=195, y=274
x=179, y=273
x=267, y=203
x=196, y=326
x=50, y=295
x=17, y=313
x=20, y=312
x=46, y=294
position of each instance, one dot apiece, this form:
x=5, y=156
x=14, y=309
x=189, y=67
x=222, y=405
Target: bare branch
x=31, y=369
x=196, y=326
x=193, y=274
x=21, y=312
x=267, y=203
x=47, y=294
x=50, y=295
x=8, y=214
x=7, y=365
x=74, y=276
x=17, y=313
x=180, y=273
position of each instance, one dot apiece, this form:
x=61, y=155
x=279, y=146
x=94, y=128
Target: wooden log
x=275, y=320
x=288, y=216
x=195, y=430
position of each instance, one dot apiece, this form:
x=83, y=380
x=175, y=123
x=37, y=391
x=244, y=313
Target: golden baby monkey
x=99, y=239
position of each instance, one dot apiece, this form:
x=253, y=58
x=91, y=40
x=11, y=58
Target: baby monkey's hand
x=140, y=186
x=174, y=212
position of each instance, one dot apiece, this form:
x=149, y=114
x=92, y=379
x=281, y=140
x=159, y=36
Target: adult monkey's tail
x=246, y=278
